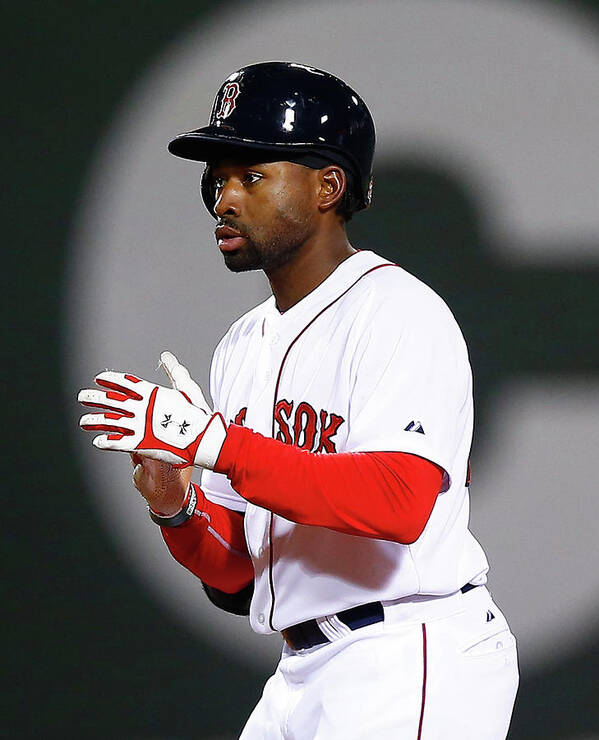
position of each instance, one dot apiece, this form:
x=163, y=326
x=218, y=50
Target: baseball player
x=333, y=504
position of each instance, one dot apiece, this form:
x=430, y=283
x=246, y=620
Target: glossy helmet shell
x=305, y=114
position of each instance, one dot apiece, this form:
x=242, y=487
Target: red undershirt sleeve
x=211, y=544
x=384, y=495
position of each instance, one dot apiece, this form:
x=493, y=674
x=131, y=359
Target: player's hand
x=172, y=425
x=163, y=485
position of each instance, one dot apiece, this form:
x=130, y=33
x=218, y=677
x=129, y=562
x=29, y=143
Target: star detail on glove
x=166, y=421
x=183, y=427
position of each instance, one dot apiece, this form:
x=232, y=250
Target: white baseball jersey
x=370, y=360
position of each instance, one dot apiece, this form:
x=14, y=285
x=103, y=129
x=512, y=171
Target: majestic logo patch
x=414, y=426
x=227, y=104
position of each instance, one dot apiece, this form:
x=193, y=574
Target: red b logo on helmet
x=227, y=105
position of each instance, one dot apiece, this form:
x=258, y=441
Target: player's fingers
x=136, y=459
x=144, y=481
x=150, y=467
x=102, y=400
x=168, y=362
x=107, y=422
x=120, y=382
x=140, y=478
x=149, y=474
x=181, y=380
x=178, y=374
x=113, y=442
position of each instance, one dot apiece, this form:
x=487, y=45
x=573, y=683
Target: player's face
x=266, y=212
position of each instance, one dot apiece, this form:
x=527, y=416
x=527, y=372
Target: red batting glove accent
x=113, y=429
x=198, y=546
x=383, y=495
x=97, y=405
x=116, y=396
x=119, y=389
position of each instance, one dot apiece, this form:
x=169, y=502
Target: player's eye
x=251, y=177
x=218, y=183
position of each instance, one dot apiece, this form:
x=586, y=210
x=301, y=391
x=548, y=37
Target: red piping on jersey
x=423, y=681
x=271, y=526
x=271, y=578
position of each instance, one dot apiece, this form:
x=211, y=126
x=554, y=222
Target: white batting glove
x=172, y=425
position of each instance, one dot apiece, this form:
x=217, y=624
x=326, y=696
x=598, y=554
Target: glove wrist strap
x=211, y=444
x=180, y=517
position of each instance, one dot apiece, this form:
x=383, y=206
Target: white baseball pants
x=436, y=669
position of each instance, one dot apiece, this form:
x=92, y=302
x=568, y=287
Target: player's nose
x=228, y=200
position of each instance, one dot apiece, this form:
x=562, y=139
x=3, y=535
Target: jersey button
x=260, y=552
x=261, y=618
x=274, y=340
x=268, y=375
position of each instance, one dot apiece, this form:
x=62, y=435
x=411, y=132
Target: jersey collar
x=342, y=278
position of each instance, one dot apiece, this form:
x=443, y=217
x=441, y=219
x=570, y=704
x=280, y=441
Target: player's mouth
x=228, y=239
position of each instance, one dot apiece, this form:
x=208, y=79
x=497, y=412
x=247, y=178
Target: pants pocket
x=501, y=641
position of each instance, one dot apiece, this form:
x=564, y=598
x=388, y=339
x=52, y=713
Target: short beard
x=268, y=251
x=261, y=257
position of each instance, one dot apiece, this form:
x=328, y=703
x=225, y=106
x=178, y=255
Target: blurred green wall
x=89, y=653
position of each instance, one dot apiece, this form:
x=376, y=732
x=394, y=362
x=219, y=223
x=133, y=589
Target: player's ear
x=333, y=184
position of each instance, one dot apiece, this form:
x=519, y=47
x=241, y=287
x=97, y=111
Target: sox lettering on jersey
x=300, y=425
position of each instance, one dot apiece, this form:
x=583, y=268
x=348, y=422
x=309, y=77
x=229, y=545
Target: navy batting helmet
x=304, y=114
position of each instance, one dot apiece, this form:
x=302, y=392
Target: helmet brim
x=205, y=145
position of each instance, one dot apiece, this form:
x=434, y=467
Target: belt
x=326, y=629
